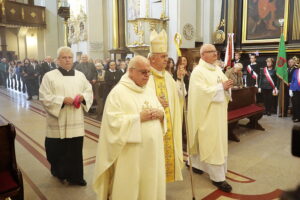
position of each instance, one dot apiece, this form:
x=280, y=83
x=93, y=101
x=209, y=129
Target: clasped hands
x=151, y=114
x=227, y=84
x=181, y=72
x=69, y=101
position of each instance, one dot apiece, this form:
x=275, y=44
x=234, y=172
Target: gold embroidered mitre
x=158, y=42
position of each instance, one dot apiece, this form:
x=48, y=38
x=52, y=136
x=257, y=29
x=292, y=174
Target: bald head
x=208, y=53
x=139, y=70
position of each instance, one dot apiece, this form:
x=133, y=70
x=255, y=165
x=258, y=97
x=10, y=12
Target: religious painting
x=261, y=20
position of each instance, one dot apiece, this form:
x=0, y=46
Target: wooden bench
x=11, y=182
x=243, y=105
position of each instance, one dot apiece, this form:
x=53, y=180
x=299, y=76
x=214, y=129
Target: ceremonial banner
x=281, y=65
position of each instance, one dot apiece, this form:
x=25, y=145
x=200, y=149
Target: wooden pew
x=243, y=105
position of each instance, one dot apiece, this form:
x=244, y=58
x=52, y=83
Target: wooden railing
x=19, y=14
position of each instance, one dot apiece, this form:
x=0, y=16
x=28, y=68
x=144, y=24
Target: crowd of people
x=25, y=76
x=142, y=123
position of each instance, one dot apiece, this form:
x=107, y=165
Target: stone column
x=95, y=28
x=208, y=16
x=55, y=29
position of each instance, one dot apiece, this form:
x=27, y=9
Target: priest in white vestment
x=209, y=94
x=61, y=89
x=170, y=93
x=130, y=157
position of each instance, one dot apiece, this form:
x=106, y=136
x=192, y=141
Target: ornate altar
x=141, y=20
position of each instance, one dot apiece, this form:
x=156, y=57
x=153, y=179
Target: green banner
x=281, y=64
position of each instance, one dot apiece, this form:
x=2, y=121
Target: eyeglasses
x=143, y=72
x=212, y=51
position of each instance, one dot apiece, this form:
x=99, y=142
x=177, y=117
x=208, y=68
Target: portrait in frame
x=261, y=20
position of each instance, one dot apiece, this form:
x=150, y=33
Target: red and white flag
x=229, y=56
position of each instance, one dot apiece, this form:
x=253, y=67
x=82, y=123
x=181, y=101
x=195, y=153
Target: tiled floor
x=260, y=166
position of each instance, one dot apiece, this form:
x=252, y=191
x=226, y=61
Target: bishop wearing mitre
x=170, y=93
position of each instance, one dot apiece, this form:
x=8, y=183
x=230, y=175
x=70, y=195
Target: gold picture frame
x=266, y=26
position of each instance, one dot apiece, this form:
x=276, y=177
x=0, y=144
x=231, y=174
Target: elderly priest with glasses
x=130, y=157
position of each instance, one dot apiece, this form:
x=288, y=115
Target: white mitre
x=158, y=42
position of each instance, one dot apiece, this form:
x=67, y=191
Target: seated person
x=236, y=75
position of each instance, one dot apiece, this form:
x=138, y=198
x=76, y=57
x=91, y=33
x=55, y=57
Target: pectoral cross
x=146, y=105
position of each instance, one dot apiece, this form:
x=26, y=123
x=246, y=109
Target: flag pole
x=282, y=82
x=178, y=41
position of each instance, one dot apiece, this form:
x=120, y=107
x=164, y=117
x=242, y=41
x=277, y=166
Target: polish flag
x=229, y=56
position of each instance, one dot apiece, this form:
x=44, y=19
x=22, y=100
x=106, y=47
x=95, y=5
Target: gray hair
x=63, y=50
x=136, y=60
x=238, y=65
x=204, y=47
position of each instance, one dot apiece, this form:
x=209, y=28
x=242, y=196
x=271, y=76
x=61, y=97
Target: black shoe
x=296, y=120
x=223, y=185
x=195, y=170
x=55, y=175
x=29, y=98
x=80, y=183
x=268, y=113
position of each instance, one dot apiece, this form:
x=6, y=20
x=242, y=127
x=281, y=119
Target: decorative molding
x=32, y=14
x=3, y=8
x=12, y=11
x=23, y=14
x=188, y=31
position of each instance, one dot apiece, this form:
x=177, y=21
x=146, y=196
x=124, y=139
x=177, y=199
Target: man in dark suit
x=28, y=74
x=46, y=66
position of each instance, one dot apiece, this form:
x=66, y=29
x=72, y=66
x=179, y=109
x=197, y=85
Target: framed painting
x=261, y=20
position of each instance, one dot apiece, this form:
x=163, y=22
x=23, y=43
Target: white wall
x=40, y=44
x=95, y=28
x=79, y=47
x=181, y=12
x=40, y=2
x=199, y=21
x=173, y=25
x=31, y=41
x=53, y=34
x=12, y=40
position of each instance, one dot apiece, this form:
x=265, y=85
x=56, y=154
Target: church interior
x=257, y=44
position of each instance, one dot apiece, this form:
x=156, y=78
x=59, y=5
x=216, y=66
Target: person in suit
x=46, y=66
x=87, y=68
x=268, y=85
x=28, y=74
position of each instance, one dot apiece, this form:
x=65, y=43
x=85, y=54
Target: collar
x=64, y=72
x=129, y=83
x=208, y=66
x=112, y=70
x=157, y=73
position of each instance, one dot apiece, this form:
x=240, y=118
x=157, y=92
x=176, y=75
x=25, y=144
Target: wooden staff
x=178, y=41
